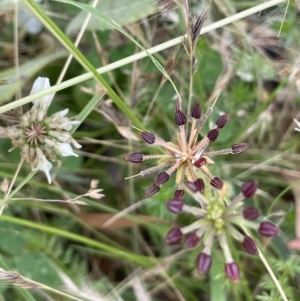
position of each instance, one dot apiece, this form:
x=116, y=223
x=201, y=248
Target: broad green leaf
x=122, y=11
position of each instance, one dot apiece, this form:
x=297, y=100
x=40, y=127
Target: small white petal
x=57, y=116
x=298, y=124
x=45, y=166
x=40, y=84
x=65, y=149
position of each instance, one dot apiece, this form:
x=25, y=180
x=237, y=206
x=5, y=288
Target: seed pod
x=196, y=110
x=135, y=158
x=239, y=148
x=217, y=183
x=250, y=213
x=180, y=118
x=162, y=178
x=174, y=236
x=191, y=240
x=222, y=120
x=213, y=135
x=179, y=193
x=203, y=262
x=249, y=245
x=200, y=185
x=268, y=229
x=175, y=205
x=148, y=137
x=232, y=271
x=200, y=162
x=154, y=188
x=249, y=188
x=191, y=186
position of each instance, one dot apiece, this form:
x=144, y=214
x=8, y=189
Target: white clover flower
x=40, y=137
x=298, y=125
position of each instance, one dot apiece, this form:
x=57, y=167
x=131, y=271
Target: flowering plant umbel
x=186, y=155
x=218, y=219
x=41, y=137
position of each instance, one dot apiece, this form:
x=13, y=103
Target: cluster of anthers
x=186, y=155
x=41, y=137
x=219, y=219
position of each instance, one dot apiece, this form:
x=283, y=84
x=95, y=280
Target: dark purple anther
x=249, y=188
x=203, y=262
x=135, y=158
x=217, y=183
x=222, y=120
x=232, y=271
x=175, y=205
x=213, y=135
x=249, y=245
x=239, y=147
x=174, y=236
x=196, y=110
x=148, y=137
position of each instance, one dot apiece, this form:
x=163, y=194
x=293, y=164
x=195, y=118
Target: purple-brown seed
x=135, y=158
x=213, y=135
x=248, y=189
x=191, y=240
x=239, y=147
x=162, y=178
x=200, y=162
x=196, y=110
x=268, y=229
x=191, y=186
x=180, y=118
x=174, y=236
x=179, y=193
x=203, y=262
x=249, y=245
x=222, y=120
x=148, y=137
x=250, y=213
x=200, y=185
x=175, y=205
x=232, y=271
x=217, y=183
x=154, y=188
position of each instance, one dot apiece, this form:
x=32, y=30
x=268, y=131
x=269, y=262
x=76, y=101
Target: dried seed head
x=250, y=213
x=191, y=240
x=249, y=245
x=148, y=137
x=232, y=271
x=174, y=236
x=199, y=183
x=154, y=188
x=249, y=188
x=191, y=186
x=203, y=262
x=222, y=120
x=268, y=229
x=217, y=183
x=162, y=178
x=175, y=205
x=180, y=118
x=212, y=135
x=135, y=158
x=179, y=193
x=239, y=147
x=200, y=162
x=196, y=110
